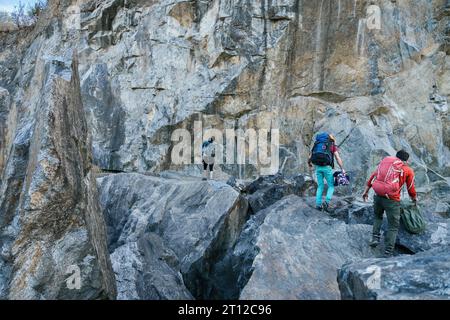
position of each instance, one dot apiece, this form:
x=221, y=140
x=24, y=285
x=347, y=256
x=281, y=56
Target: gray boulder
x=422, y=276
x=353, y=211
x=166, y=234
x=266, y=190
x=297, y=251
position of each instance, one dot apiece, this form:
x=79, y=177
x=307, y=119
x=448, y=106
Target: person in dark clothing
x=208, y=157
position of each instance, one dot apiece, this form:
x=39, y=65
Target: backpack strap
x=332, y=153
x=314, y=145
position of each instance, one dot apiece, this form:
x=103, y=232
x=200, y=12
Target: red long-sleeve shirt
x=407, y=177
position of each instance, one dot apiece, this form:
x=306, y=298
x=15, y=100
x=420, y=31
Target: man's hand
x=365, y=196
x=414, y=200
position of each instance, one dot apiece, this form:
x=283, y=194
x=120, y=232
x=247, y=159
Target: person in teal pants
x=325, y=173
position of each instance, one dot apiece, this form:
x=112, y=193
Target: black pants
x=205, y=166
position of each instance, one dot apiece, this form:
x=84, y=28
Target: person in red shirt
x=391, y=205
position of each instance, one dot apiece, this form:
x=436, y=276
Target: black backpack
x=321, y=154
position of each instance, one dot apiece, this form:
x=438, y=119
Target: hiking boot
x=375, y=241
x=204, y=179
x=388, y=254
x=327, y=207
x=320, y=207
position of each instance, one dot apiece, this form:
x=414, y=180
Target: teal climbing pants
x=324, y=172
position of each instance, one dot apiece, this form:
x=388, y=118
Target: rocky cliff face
x=300, y=66
x=149, y=67
x=146, y=68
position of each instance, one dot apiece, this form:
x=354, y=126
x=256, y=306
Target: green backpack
x=412, y=218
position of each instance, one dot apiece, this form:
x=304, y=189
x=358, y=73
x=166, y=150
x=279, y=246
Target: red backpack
x=387, y=181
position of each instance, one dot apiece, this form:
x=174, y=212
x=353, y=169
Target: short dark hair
x=402, y=155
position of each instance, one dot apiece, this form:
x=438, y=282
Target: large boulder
x=266, y=190
x=353, y=211
x=51, y=224
x=166, y=234
x=422, y=276
x=295, y=251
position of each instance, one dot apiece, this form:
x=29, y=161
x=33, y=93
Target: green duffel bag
x=412, y=218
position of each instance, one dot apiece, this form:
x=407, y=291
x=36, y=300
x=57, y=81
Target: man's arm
x=410, y=185
x=368, y=186
x=365, y=195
